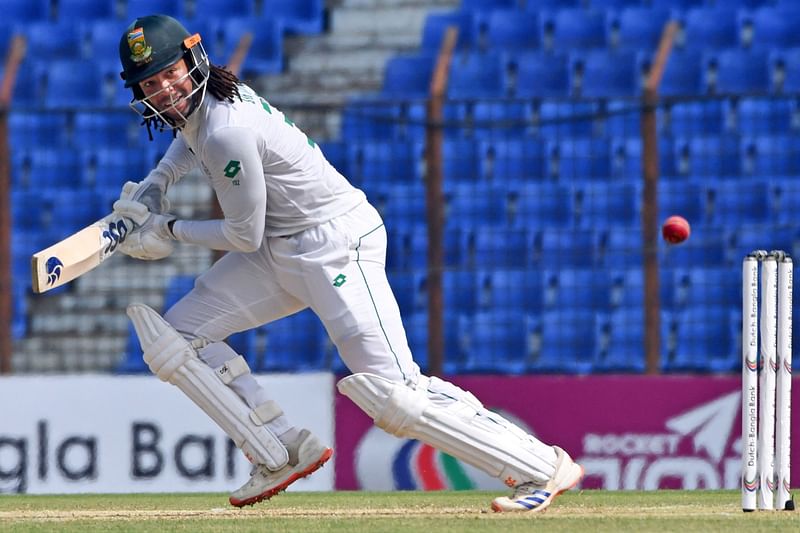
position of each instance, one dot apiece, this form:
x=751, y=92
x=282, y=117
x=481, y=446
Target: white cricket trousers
x=337, y=269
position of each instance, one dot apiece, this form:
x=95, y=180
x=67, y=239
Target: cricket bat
x=79, y=253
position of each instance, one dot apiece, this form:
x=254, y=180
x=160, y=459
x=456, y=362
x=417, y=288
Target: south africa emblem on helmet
x=140, y=50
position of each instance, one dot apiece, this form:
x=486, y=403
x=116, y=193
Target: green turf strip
x=429, y=512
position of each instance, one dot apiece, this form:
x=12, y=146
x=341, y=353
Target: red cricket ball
x=676, y=229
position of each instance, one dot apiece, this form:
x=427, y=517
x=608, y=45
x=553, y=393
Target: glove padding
x=151, y=237
x=147, y=193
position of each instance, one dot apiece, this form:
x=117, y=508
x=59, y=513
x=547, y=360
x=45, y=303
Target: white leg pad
x=173, y=359
x=453, y=420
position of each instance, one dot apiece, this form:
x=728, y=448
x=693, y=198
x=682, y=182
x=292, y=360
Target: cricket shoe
x=535, y=497
x=306, y=455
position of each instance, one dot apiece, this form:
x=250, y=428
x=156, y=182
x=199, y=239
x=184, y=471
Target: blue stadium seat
x=119, y=129
x=177, y=287
x=770, y=27
x=476, y=203
x=408, y=245
x=401, y=204
x=636, y=28
x=608, y=5
x=71, y=210
x=108, y=168
x=771, y=155
x=27, y=210
x=785, y=65
x=226, y=9
x=495, y=342
x=459, y=291
x=579, y=159
x=519, y=290
x=627, y=290
x=295, y=344
x=369, y=118
x=509, y=29
x=7, y=31
x=536, y=74
x=683, y=74
x=622, y=117
x=250, y=345
x=710, y=28
x=739, y=71
x=748, y=237
x=141, y=8
x=266, y=51
x=787, y=193
x=738, y=201
x=561, y=119
x=696, y=118
x=627, y=158
x=705, y=247
x=696, y=287
x=708, y=156
x=460, y=161
x=487, y=5
x=674, y=4
x=535, y=6
x=384, y=162
x=408, y=75
x=704, y=341
x=101, y=35
x=682, y=197
x=566, y=342
x=86, y=10
x=542, y=205
x=26, y=10
x=764, y=116
x=37, y=129
x=298, y=16
x=493, y=119
x=476, y=75
x=576, y=288
x=336, y=154
x=569, y=29
x=416, y=326
x=612, y=204
x=604, y=74
x=19, y=310
x=495, y=247
x=408, y=287
x=620, y=341
x=436, y=24
x=45, y=40
x=42, y=168
x=73, y=83
x=620, y=247
x=571, y=248
x=508, y=160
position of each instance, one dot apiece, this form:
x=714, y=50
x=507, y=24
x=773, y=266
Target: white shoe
x=306, y=455
x=535, y=497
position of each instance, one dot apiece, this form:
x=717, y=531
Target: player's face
x=169, y=90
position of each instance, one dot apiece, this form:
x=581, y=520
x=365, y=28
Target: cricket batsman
x=298, y=235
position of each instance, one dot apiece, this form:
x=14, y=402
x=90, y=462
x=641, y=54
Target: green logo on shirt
x=232, y=169
x=339, y=280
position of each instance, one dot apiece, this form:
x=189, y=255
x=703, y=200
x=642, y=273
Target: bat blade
x=78, y=254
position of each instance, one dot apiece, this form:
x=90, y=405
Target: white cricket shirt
x=269, y=177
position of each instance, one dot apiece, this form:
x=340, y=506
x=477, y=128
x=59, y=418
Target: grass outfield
x=418, y=512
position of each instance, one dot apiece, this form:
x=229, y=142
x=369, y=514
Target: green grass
x=418, y=512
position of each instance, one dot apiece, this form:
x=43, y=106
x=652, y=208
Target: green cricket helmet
x=149, y=45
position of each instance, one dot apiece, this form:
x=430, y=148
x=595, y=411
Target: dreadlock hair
x=222, y=84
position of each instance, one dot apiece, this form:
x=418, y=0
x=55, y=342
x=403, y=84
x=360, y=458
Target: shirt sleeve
x=176, y=163
x=234, y=163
